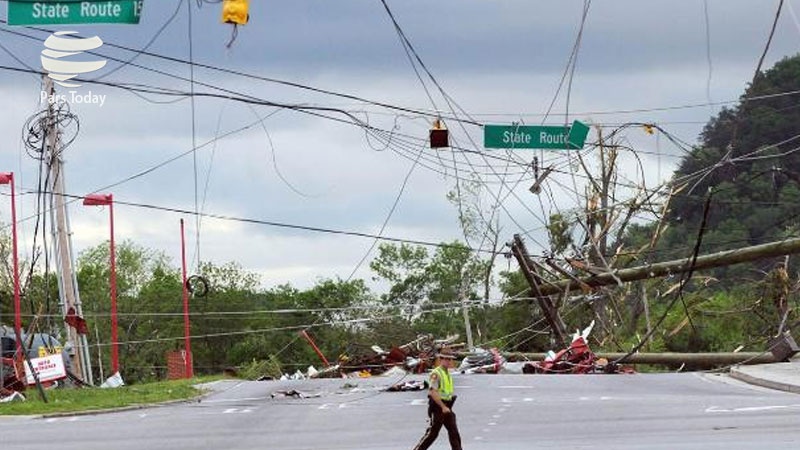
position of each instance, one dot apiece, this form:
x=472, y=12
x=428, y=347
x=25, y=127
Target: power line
x=270, y=223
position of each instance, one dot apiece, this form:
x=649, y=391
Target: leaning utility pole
x=725, y=258
x=67, y=280
x=535, y=281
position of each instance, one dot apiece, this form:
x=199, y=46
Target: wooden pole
x=545, y=304
x=720, y=259
x=707, y=360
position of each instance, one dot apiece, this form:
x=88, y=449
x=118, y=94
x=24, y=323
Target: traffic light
x=235, y=11
x=439, y=137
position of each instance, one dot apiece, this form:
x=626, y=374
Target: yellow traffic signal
x=235, y=11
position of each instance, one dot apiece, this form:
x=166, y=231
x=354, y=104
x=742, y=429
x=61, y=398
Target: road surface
x=508, y=412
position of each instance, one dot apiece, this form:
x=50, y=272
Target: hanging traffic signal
x=439, y=136
x=236, y=11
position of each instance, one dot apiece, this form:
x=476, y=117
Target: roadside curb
x=742, y=375
x=95, y=412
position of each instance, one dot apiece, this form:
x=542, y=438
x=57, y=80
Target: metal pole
x=17, y=303
x=186, y=329
x=113, y=256
x=316, y=349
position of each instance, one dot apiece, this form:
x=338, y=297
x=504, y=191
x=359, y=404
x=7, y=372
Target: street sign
x=55, y=12
x=540, y=137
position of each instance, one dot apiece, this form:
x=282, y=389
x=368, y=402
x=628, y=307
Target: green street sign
x=535, y=137
x=62, y=12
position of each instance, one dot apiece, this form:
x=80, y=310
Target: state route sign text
x=55, y=12
x=535, y=137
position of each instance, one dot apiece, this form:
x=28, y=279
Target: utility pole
x=465, y=309
x=720, y=259
x=67, y=285
x=534, y=280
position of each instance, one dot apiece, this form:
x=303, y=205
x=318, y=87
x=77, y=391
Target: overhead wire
x=197, y=256
x=388, y=216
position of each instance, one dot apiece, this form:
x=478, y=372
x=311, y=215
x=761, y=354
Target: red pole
x=17, y=303
x=114, y=337
x=186, y=330
x=316, y=349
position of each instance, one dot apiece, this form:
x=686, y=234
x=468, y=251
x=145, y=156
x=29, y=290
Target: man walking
x=440, y=404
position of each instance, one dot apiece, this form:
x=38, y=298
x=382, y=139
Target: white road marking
x=229, y=411
x=516, y=400
x=478, y=438
x=496, y=416
x=72, y=419
x=142, y=416
x=248, y=410
x=515, y=387
x=485, y=430
x=491, y=424
x=419, y=402
x=325, y=406
x=716, y=409
x=51, y=420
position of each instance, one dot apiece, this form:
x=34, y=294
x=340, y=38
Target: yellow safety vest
x=445, y=382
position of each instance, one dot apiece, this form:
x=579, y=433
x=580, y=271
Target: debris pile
x=482, y=361
x=415, y=357
x=578, y=358
x=418, y=355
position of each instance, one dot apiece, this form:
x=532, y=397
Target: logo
x=58, y=48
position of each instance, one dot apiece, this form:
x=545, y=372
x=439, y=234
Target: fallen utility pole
x=725, y=258
x=704, y=360
x=535, y=281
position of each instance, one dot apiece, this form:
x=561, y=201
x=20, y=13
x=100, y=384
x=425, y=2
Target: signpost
x=61, y=12
x=536, y=137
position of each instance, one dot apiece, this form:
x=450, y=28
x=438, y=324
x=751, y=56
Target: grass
x=93, y=399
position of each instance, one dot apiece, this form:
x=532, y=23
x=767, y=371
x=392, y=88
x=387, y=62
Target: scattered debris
x=415, y=385
x=482, y=361
x=11, y=396
x=294, y=394
x=114, y=381
x=578, y=358
x=415, y=357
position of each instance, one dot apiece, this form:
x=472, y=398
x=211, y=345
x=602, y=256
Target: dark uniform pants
x=437, y=419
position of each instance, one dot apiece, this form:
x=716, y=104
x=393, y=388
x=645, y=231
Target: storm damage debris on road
x=415, y=385
x=415, y=357
x=294, y=394
x=578, y=358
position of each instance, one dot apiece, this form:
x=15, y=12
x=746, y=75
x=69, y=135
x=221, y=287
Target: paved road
x=508, y=412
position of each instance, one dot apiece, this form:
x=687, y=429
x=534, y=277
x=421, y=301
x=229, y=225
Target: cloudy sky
x=497, y=61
